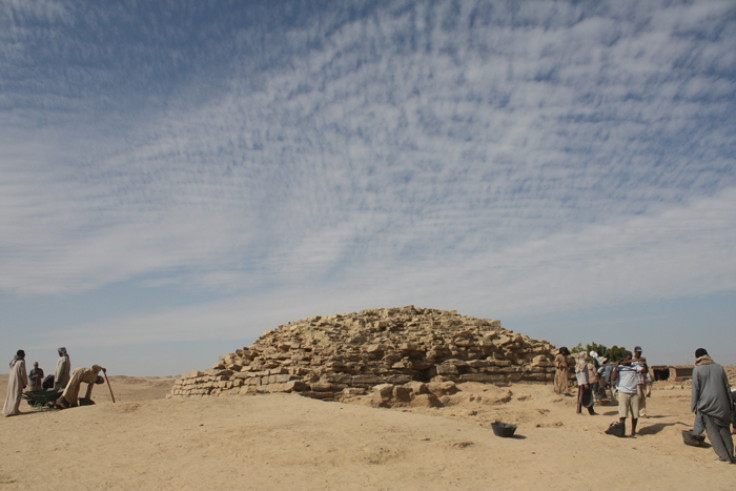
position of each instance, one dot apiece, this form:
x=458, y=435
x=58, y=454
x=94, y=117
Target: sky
x=177, y=178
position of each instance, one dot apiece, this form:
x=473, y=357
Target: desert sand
x=285, y=441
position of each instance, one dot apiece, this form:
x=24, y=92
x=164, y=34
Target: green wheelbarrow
x=41, y=399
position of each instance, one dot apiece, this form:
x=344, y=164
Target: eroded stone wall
x=340, y=355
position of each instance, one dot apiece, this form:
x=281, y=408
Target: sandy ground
x=145, y=441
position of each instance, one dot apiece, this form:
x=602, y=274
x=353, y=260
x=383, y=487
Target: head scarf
x=18, y=356
x=582, y=363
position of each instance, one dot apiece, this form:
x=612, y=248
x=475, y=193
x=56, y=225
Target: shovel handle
x=109, y=387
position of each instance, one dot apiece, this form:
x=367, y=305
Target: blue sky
x=179, y=177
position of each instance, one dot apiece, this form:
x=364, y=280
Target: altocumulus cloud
x=455, y=154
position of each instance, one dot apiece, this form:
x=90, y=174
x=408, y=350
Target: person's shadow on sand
x=655, y=428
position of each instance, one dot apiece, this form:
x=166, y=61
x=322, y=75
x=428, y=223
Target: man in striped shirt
x=628, y=399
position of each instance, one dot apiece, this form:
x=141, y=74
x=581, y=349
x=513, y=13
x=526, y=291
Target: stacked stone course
x=343, y=355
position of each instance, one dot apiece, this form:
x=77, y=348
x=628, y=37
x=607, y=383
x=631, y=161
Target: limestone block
x=367, y=379
x=402, y=394
x=385, y=390
x=463, y=342
x=318, y=395
x=391, y=357
x=277, y=371
x=426, y=400
x=420, y=365
x=276, y=379
x=291, y=386
x=499, y=362
x=224, y=374
x=541, y=361
x=442, y=387
x=399, y=378
x=324, y=386
x=337, y=378
x=350, y=392
x=479, y=363
x=417, y=387
x=402, y=364
x=502, y=340
x=450, y=367
x=381, y=396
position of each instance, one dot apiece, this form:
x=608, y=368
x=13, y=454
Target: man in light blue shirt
x=628, y=399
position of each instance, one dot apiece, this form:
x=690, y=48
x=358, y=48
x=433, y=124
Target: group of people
x=594, y=376
x=64, y=380
x=630, y=382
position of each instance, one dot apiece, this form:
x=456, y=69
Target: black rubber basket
x=504, y=430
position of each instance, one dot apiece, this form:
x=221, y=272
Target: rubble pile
x=398, y=353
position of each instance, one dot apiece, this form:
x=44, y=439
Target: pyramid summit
x=334, y=356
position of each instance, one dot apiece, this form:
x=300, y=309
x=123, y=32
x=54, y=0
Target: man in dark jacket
x=36, y=377
x=712, y=405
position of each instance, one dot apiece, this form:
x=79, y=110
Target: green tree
x=613, y=354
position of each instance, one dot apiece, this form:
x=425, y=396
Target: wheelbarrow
x=41, y=399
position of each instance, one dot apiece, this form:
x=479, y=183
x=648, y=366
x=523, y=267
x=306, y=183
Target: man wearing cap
x=641, y=381
x=711, y=402
x=627, y=397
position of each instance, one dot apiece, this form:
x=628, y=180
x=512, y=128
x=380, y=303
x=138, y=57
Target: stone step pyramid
x=324, y=357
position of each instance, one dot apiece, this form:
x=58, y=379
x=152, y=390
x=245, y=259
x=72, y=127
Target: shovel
x=104, y=372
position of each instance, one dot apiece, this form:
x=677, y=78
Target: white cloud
x=680, y=252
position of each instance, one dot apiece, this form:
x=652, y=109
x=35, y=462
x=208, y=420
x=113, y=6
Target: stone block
x=318, y=395
x=426, y=400
x=417, y=387
x=353, y=392
x=366, y=380
x=291, y=386
x=381, y=396
x=447, y=370
x=324, y=386
x=398, y=378
x=442, y=387
x=401, y=394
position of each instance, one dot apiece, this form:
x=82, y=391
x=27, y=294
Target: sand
x=285, y=441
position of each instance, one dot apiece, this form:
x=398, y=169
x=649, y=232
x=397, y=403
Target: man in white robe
x=63, y=366
x=17, y=381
